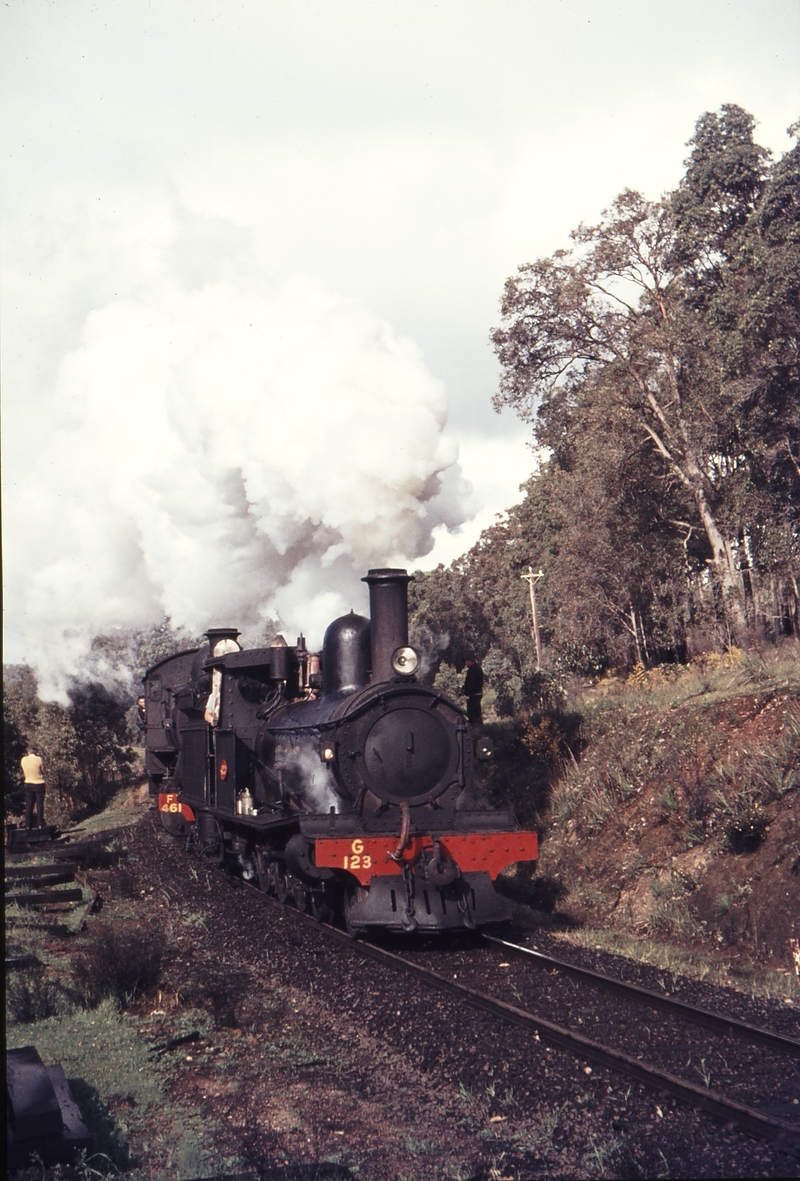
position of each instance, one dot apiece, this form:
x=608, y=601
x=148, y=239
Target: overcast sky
x=252, y=254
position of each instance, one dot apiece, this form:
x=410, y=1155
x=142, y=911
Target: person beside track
x=35, y=784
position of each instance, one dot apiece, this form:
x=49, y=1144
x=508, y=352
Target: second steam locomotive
x=337, y=781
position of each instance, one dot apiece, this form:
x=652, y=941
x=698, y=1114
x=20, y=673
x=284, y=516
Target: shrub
x=31, y=996
x=571, y=657
x=543, y=738
x=102, y=753
x=449, y=681
x=120, y=965
x=542, y=893
x=745, y=828
x=543, y=690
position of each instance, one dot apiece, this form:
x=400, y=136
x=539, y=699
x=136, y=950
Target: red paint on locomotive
x=371, y=856
x=169, y=803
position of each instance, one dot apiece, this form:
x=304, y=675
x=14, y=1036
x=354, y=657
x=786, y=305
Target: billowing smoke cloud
x=224, y=452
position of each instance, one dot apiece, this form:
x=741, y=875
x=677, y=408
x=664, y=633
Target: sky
x=251, y=257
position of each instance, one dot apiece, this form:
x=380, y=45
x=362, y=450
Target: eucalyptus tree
x=666, y=325
x=756, y=310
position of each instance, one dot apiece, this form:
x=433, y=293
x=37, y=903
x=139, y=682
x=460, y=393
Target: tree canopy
x=86, y=744
x=656, y=359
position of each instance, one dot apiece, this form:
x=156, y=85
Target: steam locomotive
x=337, y=781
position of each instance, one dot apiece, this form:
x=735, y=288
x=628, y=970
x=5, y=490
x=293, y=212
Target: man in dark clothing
x=141, y=718
x=473, y=691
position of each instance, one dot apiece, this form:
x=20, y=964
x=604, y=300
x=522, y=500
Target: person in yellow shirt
x=33, y=770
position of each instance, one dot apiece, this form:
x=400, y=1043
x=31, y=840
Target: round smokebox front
x=407, y=750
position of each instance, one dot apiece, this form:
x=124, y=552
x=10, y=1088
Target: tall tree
x=611, y=316
x=101, y=750
x=666, y=321
x=720, y=191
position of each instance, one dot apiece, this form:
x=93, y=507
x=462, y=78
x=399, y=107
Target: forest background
x=656, y=359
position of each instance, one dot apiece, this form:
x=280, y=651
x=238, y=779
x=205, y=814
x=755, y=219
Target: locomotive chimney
x=222, y=640
x=215, y=634
x=388, y=610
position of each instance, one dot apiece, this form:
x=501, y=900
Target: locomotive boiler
x=337, y=781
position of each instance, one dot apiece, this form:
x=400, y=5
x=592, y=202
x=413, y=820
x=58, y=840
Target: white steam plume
x=222, y=452
x=315, y=779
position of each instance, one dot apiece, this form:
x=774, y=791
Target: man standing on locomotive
x=141, y=719
x=221, y=648
x=33, y=770
x=473, y=691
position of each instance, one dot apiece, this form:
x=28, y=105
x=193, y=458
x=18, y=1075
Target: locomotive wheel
x=300, y=894
x=278, y=881
x=322, y=904
x=175, y=824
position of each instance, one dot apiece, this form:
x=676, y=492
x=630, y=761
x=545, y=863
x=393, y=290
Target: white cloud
x=224, y=452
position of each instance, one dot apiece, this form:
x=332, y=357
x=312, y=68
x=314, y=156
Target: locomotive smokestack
x=388, y=610
x=215, y=634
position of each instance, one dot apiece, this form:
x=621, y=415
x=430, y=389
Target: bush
x=745, y=828
x=543, y=691
x=120, y=965
x=543, y=736
x=582, y=659
x=30, y=996
x=102, y=753
x=542, y=893
x=449, y=680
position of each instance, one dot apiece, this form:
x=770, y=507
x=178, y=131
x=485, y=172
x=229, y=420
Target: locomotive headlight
x=326, y=753
x=484, y=749
x=405, y=661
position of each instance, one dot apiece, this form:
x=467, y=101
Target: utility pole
x=531, y=580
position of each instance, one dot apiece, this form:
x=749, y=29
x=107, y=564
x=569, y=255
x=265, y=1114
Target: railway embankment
x=671, y=829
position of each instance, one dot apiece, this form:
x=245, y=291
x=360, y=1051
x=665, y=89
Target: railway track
x=716, y=1022
x=748, y=1119
x=42, y=885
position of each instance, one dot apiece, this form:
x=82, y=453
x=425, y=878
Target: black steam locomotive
x=336, y=781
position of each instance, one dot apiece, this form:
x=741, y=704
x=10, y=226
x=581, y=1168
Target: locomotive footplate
x=342, y=824
x=267, y=820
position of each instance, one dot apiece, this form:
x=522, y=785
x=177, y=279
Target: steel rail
x=704, y=1017
x=727, y=1110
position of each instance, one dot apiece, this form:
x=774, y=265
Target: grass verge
x=757, y=982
